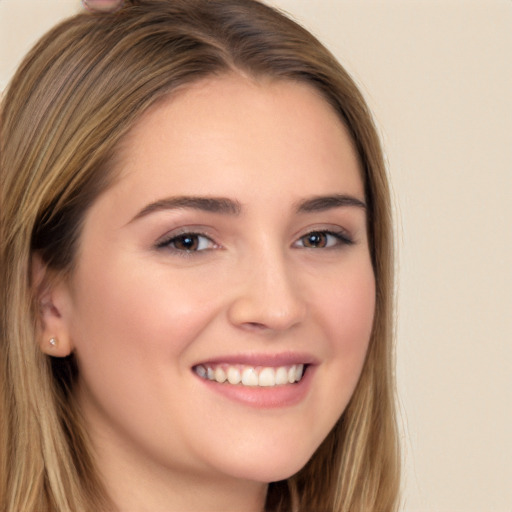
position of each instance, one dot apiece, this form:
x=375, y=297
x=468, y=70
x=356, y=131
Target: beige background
x=438, y=77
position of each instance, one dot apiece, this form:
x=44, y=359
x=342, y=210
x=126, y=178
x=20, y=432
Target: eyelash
x=341, y=239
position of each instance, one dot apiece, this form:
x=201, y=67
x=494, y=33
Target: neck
x=184, y=494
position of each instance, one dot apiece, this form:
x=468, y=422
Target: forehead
x=222, y=130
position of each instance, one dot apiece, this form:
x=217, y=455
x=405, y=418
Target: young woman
x=196, y=268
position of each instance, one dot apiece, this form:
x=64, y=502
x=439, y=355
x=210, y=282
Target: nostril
x=256, y=326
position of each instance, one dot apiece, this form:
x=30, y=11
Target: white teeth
x=281, y=376
x=234, y=376
x=266, y=376
x=220, y=375
x=250, y=377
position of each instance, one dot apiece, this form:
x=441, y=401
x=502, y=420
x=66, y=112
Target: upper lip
x=271, y=360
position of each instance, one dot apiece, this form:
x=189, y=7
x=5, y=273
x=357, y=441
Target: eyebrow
x=226, y=206
x=323, y=203
x=221, y=205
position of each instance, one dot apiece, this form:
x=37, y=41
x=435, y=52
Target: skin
x=103, y=5
x=140, y=315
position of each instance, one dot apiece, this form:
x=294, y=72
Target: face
x=223, y=298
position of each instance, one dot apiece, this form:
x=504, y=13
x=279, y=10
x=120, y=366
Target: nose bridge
x=269, y=294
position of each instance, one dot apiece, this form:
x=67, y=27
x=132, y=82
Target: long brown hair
x=75, y=96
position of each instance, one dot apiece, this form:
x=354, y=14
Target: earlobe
x=54, y=347
x=50, y=293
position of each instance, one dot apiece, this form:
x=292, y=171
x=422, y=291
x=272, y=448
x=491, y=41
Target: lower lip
x=264, y=397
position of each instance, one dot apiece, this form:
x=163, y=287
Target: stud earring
x=53, y=342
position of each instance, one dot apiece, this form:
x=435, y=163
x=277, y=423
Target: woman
x=196, y=270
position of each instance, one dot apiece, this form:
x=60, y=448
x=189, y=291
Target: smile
x=251, y=376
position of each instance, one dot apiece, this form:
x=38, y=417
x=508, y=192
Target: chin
x=270, y=467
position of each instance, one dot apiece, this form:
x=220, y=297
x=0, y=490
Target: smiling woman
x=196, y=270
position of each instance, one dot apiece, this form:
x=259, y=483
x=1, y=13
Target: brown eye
x=315, y=240
x=185, y=242
x=188, y=243
x=323, y=240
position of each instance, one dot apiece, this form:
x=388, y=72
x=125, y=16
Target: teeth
x=281, y=376
x=220, y=375
x=300, y=371
x=267, y=377
x=201, y=371
x=250, y=377
x=234, y=376
x=263, y=376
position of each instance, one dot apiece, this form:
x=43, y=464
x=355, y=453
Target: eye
x=323, y=240
x=188, y=242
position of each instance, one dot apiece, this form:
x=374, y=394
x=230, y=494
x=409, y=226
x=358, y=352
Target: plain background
x=438, y=77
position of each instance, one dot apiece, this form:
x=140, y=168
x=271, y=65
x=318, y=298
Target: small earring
x=53, y=342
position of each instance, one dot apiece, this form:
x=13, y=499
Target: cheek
x=348, y=312
x=131, y=331
x=131, y=334
x=130, y=309
x=343, y=309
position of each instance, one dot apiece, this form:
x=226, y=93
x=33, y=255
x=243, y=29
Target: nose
x=268, y=296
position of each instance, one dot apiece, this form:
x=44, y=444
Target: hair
x=67, y=109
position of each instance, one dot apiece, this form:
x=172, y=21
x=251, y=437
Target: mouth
x=262, y=381
x=251, y=376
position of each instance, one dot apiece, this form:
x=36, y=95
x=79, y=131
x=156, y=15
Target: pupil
x=187, y=242
x=315, y=239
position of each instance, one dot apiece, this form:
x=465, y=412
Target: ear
x=52, y=309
